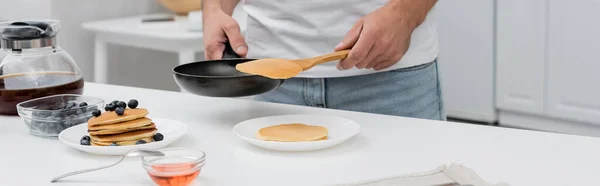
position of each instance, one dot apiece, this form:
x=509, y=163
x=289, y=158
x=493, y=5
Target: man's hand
x=380, y=39
x=219, y=27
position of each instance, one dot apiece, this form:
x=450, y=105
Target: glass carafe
x=34, y=65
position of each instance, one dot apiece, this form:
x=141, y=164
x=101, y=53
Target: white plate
x=171, y=130
x=340, y=130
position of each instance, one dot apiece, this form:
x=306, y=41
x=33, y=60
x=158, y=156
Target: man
x=390, y=69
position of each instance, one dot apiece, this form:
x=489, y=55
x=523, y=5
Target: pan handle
x=228, y=53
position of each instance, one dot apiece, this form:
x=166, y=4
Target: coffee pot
x=34, y=65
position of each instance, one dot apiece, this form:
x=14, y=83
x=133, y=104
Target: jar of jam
x=34, y=65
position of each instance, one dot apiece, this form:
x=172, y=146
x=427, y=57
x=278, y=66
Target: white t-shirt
x=293, y=29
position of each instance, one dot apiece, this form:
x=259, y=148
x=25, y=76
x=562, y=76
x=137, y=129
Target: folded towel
x=453, y=175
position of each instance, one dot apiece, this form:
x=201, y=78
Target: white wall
x=151, y=69
x=22, y=9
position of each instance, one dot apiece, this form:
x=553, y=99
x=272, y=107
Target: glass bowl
x=179, y=166
x=48, y=116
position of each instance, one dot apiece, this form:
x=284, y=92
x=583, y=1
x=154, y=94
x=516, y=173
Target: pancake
x=121, y=143
x=107, y=132
x=132, y=124
x=123, y=125
x=111, y=117
x=270, y=67
x=294, y=132
x=133, y=135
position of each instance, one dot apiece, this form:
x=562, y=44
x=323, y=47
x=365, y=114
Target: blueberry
x=140, y=142
x=115, y=102
x=56, y=128
x=58, y=114
x=121, y=104
x=83, y=104
x=46, y=114
x=84, y=110
x=86, y=137
x=85, y=142
x=120, y=111
x=68, y=123
x=41, y=114
x=158, y=137
x=110, y=107
x=132, y=103
x=34, y=124
x=71, y=112
x=114, y=144
x=96, y=113
x=79, y=112
x=71, y=105
x=51, y=118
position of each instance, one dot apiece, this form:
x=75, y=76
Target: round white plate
x=340, y=130
x=171, y=130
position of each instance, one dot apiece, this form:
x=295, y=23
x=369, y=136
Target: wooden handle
x=309, y=63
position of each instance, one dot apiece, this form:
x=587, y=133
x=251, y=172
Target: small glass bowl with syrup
x=179, y=166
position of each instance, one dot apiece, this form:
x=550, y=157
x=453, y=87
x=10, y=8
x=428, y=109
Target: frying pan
x=219, y=78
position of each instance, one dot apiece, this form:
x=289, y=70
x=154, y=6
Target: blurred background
x=527, y=64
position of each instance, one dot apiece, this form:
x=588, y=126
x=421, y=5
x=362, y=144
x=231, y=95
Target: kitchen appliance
x=219, y=78
x=34, y=65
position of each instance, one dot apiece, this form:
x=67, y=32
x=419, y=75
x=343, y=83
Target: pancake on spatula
x=272, y=68
x=276, y=68
x=294, y=132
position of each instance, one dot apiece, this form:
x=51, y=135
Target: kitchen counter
x=386, y=146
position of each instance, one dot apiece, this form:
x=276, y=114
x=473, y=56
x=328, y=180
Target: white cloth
x=453, y=175
x=305, y=28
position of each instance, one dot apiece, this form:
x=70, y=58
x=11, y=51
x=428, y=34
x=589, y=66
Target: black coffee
x=16, y=88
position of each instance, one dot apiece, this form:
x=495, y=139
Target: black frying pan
x=219, y=78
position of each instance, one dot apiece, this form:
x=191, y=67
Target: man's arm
x=226, y=5
x=220, y=28
x=381, y=38
x=416, y=10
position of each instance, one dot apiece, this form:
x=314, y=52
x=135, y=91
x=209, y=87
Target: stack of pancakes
x=293, y=132
x=125, y=129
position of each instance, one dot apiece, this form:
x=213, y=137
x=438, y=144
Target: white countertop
x=182, y=29
x=386, y=146
x=175, y=30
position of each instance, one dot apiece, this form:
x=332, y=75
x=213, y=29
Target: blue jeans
x=410, y=92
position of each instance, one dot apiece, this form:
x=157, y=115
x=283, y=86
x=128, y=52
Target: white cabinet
x=573, y=61
x=547, y=65
x=520, y=55
x=466, y=58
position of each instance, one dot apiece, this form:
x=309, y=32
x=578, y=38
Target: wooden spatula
x=277, y=68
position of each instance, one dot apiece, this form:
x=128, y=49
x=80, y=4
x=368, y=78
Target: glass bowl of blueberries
x=48, y=116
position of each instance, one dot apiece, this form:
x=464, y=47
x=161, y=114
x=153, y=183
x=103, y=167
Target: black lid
x=26, y=30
